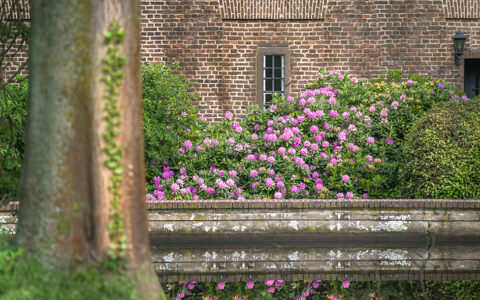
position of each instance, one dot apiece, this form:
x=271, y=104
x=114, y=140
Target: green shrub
x=442, y=153
x=12, y=119
x=415, y=96
x=22, y=278
x=169, y=116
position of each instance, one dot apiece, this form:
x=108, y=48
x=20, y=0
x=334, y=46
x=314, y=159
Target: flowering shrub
x=396, y=106
x=318, y=289
x=168, y=114
x=338, y=139
x=270, y=289
x=397, y=103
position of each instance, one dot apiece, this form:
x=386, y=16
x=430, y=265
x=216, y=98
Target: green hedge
x=442, y=153
x=12, y=118
x=169, y=117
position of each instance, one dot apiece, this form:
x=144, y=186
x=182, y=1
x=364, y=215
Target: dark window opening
x=472, y=77
x=476, y=90
x=273, y=77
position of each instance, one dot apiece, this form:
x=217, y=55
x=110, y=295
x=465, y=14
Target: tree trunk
x=66, y=204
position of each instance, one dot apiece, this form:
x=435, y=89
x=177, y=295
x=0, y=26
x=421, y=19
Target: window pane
x=268, y=73
x=268, y=85
x=278, y=85
x=278, y=73
x=278, y=61
x=268, y=99
x=273, y=77
x=268, y=61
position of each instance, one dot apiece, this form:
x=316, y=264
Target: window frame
x=261, y=52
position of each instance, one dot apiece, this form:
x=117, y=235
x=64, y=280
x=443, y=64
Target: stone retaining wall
x=387, y=219
x=311, y=239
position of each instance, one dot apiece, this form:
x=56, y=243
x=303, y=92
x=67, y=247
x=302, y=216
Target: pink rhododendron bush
x=341, y=138
x=272, y=289
x=323, y=289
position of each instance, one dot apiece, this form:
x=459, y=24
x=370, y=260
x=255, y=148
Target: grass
x=22, y=278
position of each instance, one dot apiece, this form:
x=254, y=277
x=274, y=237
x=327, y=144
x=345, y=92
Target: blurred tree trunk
x=66, y=205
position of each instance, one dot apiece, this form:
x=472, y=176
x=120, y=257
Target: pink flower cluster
x=314, y=145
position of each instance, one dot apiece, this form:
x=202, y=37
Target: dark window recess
x=472, y=77
x=476, y=90
x=273, y=77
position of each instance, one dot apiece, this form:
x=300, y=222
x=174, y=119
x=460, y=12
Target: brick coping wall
x=316, y=203
x=304, y=203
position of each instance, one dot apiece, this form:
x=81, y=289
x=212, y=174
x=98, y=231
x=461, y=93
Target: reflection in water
x=311, y=259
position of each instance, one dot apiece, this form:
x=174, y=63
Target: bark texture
x=65, y=207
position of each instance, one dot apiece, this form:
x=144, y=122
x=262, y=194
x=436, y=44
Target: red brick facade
x=15, y=56
x=216, y=41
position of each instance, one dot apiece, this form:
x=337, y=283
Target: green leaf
x=111, y=164
x=108, y=36
x=118, y=170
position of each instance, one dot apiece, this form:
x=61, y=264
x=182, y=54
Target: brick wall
x=467, y=9
x=15, y=62
x=272, y=9
x=241, y=39
x=16, y=55
x=190, y=32
x=370, y=37
x=216, y=41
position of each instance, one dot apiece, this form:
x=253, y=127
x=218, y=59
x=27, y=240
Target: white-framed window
x=272, y=74
x=273, y=77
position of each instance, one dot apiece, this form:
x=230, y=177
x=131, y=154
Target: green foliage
x=113, y=64
x=170, y=119
x=14, y=36
x=166, y=95
x=318, y=289
x=12, y=119
x=22, y=278
x=414, y=97
x=442, y=153
x=341, y=138
x=168, y=114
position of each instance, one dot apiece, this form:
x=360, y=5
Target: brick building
x=239, y=51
